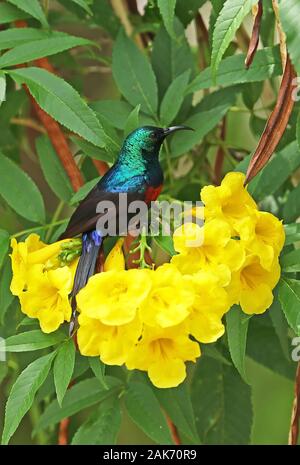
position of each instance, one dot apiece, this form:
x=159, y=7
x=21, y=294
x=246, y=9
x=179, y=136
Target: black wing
x=85, y=217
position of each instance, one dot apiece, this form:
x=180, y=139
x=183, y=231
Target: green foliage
x=222, y=402
x=20, y=192
x=144, y=410
x=237, y=328
x=289, y=11
x=63, y=368
x=32, y=340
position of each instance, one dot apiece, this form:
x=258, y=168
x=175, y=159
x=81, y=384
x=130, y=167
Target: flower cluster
x=42, y=280
x=154, y=319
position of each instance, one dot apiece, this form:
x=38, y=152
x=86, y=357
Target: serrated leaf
x=9, y=13
x=144, y=410
x=289, y=296
x=14, y=36
x=98, y=368
x=132, y=121
x=53, y=170
x=62, y=102
x=237, y=327
x=32, y=340
x=23, y=392
x=20, y=192
x=82, y=395
x=228, y=22
x=173, y=98
x=177, y=404
x=289, y=11
x=170, y=58
x=33, y=8
x=266, y=64
x=92, y=151
x=83, y=191
x=63, y=368
x=4, y=244
x=222, y=404
x=102, y=427
x=167, y=11
x=133, y=74
x=30, y=51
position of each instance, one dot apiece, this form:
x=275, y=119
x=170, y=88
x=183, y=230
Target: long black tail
x=91, y=244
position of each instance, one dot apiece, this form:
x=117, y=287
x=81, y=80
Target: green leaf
x=23, y=392
x=228, y=22
x=186, y=10
x=266, y=64
x=32, y=340
x=102, y=427
x=20, y=192
x=4, y=245
x=276, y=172
x=6, y=296
x=177, y=403
x=33, y=8
x=290, y=262
x=83, y=191
x=144, y=410
x=166, y=244
x=62, y=102
x=82, y=395
x=3, y=371
x=30, y=51
x=222, y=403
x=264, y=348
x=92, y=151
x=289, y=296
x=167, y=11
x=209, y=112
x=133, y=74
x=173, y=98
x=291, y=208
x=2, y=88
x=280, y=325
x=53, y=170
x=292, y=233
x=170, y=58
x=8, y=13
x=98, y=368
x=289, y=12
x=237, y=327
x=132, y=120
x=63, y=368
x=84, y=5
x=115, y=112
x=14, y=36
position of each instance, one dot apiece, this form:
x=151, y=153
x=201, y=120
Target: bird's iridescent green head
x=147, y=140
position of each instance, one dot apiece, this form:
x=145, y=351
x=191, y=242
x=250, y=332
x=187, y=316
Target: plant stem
x=39, y=228
x=55, y=218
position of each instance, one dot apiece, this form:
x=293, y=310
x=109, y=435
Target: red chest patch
x=152, y=193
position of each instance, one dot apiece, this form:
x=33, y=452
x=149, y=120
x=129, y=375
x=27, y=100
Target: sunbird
x=137, y=173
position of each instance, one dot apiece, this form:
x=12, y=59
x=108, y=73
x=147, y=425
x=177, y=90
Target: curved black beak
x=172, y=129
